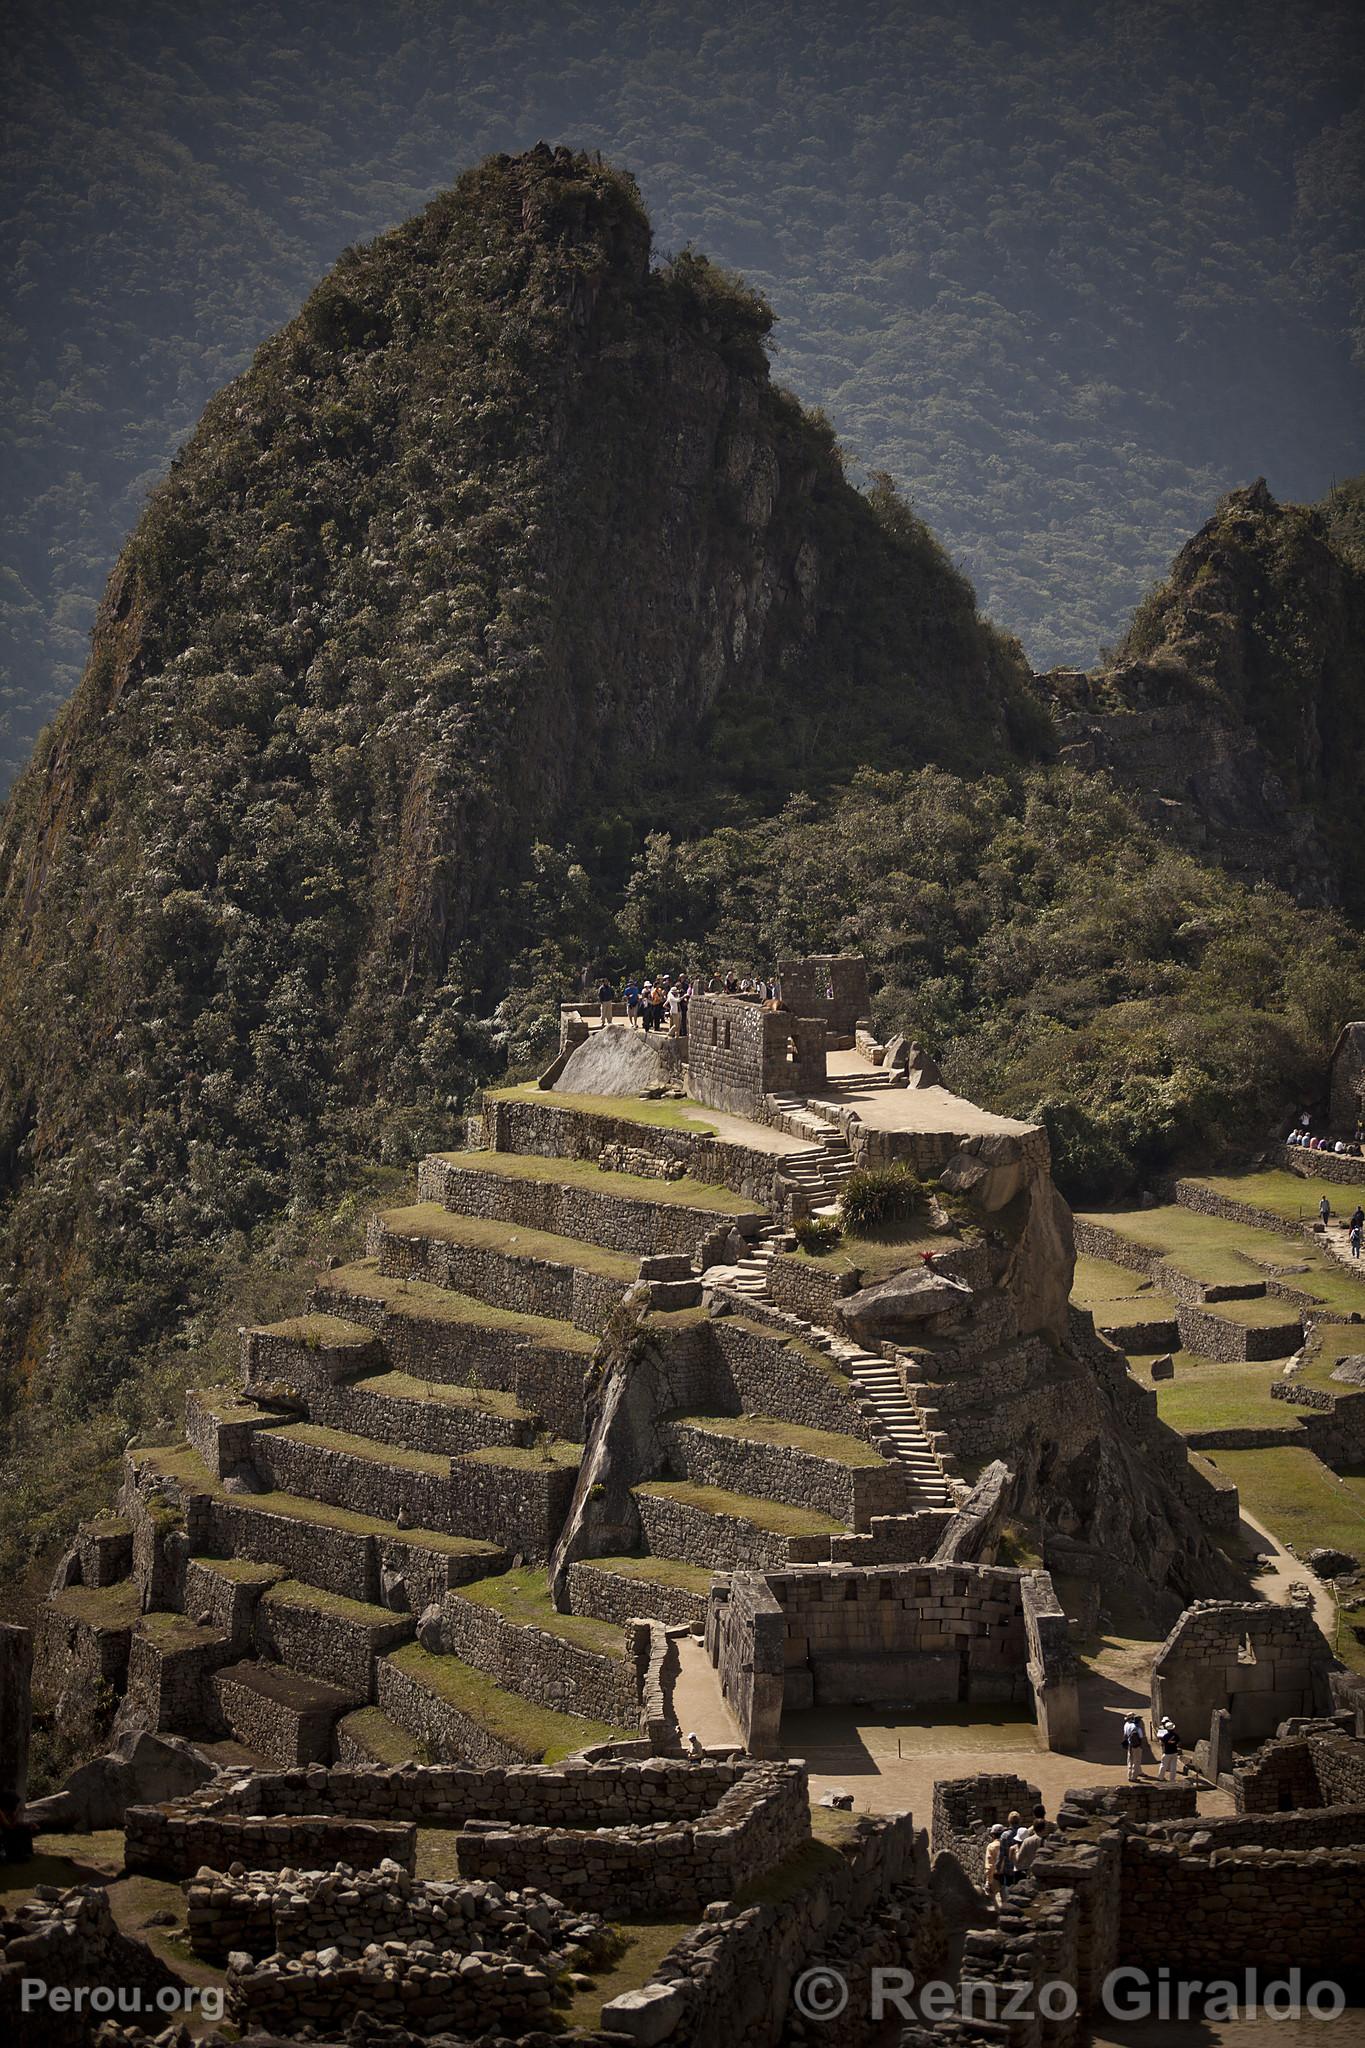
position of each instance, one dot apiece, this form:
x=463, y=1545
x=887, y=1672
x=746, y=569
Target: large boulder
x=618, y=1061
x=891, y=1308
x=142, y=1769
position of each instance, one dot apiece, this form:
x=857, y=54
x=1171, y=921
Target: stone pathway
x=699, y=1703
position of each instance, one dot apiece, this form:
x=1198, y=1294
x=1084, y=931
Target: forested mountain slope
x=1068, y=273
x=505, y=619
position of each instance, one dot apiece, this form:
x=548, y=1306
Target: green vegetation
x=65, y=1860
x=585, y=1173
x=796, y=1873
x=878, y=1251
x=360, y=1613
x=773, y=1515
x=770, y=1429
x=1207, y=1395
x=816, y=1234
x=429, y=1219
x=384, y=1742
x=1222, y=1253
x=402, y=1386
x=1304, y=1505
x=522, y=1595
x=319, y=1438
x=538, y=1734
x=1288, y=1195
x=876, y=1196
x=1116, y=1296
x=547, y=1450
x=101, y=1607
x=645, y=1943
x=241, y=1571
x=318, y=1332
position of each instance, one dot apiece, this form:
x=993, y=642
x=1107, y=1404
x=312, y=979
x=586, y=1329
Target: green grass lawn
x=645, y=1943
x=796, y=1436
x=1304, y=1505
x=1261, y=1312
x=774, y=1515
x=1218, y=1252
x=1207, y=1395
x=523, y=1596
x=107, y=1607
x=402, y=1386
x=428, y=1302
x=1285, y=1194
x=65, y=1860
x=585, y=1173
x=537, y=1733
x=1117, y=1296
x=875, y=1254
x=668, y=1113
x=429, y=1219
x=386, y=1743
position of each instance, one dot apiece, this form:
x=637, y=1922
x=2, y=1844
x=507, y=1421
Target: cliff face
x=1231, y=712
x=507, y=532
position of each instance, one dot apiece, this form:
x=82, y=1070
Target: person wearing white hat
x=1168, y=1742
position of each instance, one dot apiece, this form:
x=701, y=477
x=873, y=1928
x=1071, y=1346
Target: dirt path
x=698, y=1701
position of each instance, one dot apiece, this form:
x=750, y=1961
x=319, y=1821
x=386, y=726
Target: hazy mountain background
x=1066, y=271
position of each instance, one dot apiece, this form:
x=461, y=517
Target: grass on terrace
x=65, y=1860
x=585, y=1173
x=1304, y=1505
x=402, y=1386
x=425, y=1301
x=645, y=1944
x=1284, y=1194
x=101, y=1607
x=537, y=1733
x=381, y=1738
x=1219, y=1252
x=523, y=1596
x=359, y=1613
x=810, y=1353
x=184, y=1465
x=776, y=1516
x=1261, y=1312
x=876, y=1254
x=171, y=1631
x=1117, y=1297
x=429, y=1219
x=1207, y=1395
x=321, y=1332
x=240, y=1571
x=668, y=1113
x=656, y=1571
x=550, y=1450
x=320, y=1438
x=795, y=1436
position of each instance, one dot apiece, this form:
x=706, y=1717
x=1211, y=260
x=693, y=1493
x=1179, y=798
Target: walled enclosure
x=1261, y=1662
x=831, y=987
x=908, y=1636
x=1347, y=1081
x=738, y=1052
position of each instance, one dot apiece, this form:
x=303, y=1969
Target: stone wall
x=1346, y=1078
x=539, y=1665
x=1190, y=1910
x=176, y=1841
x=738, y=1052
x=656, y=1865
x=330, y=1643
x=280, y=1715
x=552, y=1131
x=675, y=1529
x=1335, y=1166
x=808, y=1288
x=447, y=1428
x=746, y=1633
x=545, y=1378
x=774, y=1375
x=68, y=1941
x=344, y=1561
x=511, y=1280
x=965, y=1809
x=1263, y=1663
x=638, y=1226
x=615, y=1596
x=847, y=1493
x=829, y=986
x=1224, y=1339
x=171, y=1664
x=1310, y=1770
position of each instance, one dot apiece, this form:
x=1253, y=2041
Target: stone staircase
x=880, y=1382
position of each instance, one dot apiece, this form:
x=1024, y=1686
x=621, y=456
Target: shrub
x=817, y=1234
x=882, y=1194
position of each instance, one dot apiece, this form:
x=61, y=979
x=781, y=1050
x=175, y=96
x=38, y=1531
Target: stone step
x=281, y=1714
x=326, y=1636
x=727, y=1531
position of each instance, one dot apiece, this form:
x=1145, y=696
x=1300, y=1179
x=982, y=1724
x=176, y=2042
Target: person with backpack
x=1168, y=1742
x=1133, y=1740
